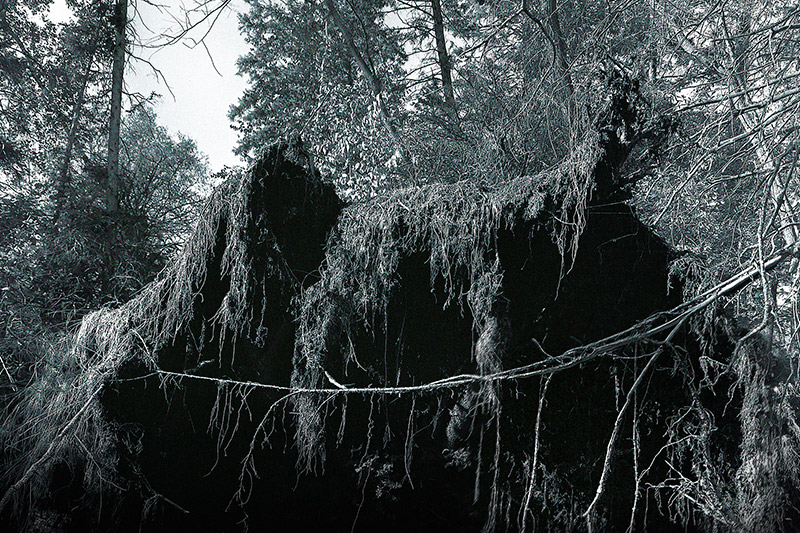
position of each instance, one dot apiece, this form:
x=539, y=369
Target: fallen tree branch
x=727, y=287
x=601, y=485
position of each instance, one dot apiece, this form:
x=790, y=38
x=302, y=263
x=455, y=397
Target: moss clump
x=455, y=226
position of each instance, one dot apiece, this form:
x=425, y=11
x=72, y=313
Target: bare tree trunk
x=652, y=52
x=118, y=68
x=375, y=84
x=444, y=58
x=560, y=49
x=77, y=111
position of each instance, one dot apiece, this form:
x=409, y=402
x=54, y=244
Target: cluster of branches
x=93, y=200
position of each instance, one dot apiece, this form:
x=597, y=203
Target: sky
x=202, y=84
x=201, y=93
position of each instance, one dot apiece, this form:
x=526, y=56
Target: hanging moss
x=358, y=318
x=455, y=226
x=62, y=406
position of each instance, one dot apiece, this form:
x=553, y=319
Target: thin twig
x=589, y=513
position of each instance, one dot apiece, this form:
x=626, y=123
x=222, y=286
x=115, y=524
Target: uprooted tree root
x=453, y=229
x=456, y=226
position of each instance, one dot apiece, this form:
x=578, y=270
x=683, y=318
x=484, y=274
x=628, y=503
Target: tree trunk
x=444, y=59
x=652, y=49
x=560, y=49
x=118, y=68
x=738, y=49
x=77, y=111
x=746, y=111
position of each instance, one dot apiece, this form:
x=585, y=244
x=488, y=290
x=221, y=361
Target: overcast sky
x=202, y=95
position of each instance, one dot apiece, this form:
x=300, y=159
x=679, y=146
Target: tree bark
x=560, y=49
x=444, y=59
x=117, y=71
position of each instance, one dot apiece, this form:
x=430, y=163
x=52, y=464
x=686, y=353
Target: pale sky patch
x=59, y=12
x=202, y=93
x=203, y=80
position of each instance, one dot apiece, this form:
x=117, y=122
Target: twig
x=333, y=381
x=535, y=463
x=589, y=513
x=636, y=451
x=409, y=442
x=10, y=378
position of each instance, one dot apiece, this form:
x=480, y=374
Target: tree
x=163, y=179
x=27, y=84
x=390, y=92
x=333, y=87
x=77, y=113
x=55, y=84
x=444, y=58
x=727, y=189
x=120, y=23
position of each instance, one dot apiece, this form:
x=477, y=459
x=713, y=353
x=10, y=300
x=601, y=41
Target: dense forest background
x=96, y=196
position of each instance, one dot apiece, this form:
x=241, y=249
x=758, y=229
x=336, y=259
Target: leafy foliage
x=302, y=81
